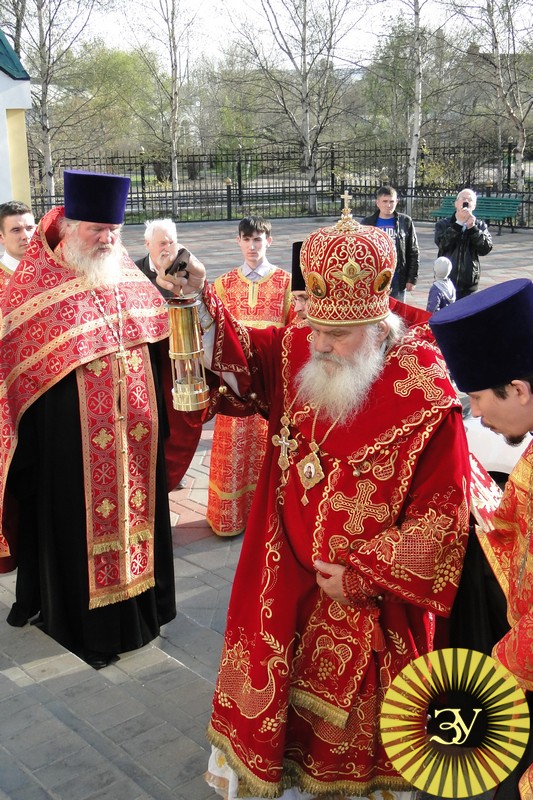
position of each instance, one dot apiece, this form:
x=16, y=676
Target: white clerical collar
x=9, y=262
x=263, y=269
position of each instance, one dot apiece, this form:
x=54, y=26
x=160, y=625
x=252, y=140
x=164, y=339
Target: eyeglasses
x=300, y=298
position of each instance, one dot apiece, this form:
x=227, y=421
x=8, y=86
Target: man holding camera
x=462, y=238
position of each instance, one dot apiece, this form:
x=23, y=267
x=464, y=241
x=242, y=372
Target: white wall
x=13, y=95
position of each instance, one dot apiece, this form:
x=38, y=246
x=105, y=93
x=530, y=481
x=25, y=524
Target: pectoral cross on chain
x=287, y=445
x=122, y=358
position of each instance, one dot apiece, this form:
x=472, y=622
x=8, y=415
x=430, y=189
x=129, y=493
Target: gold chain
x=286, y=422
x=309, y=467
x=313, y=445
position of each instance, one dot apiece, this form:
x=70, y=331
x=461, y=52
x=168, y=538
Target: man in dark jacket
x=462, y=238
x=400, y=228
x=161, y=241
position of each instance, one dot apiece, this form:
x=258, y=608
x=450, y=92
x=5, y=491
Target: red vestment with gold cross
x=239, y=443
x=96, y=484
x=509, y=549
x=505, y=525
x=302, y=677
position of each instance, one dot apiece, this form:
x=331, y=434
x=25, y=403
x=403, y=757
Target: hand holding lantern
x=189, y=386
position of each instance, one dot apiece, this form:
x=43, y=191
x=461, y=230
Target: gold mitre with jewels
x=348, y=270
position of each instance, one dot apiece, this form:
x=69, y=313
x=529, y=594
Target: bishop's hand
x=329, y=578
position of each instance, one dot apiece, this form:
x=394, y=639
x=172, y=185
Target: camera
x=180, y=262
x=465, y=204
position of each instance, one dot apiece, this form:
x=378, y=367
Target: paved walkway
x=135, y=730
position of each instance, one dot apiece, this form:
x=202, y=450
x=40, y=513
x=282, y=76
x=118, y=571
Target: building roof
x=10, y=62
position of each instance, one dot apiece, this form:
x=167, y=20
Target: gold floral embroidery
x=385, y=546
x=239, y=658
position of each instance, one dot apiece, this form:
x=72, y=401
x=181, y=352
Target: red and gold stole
x=51, y=325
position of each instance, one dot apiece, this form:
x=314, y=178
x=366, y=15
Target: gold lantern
x=190, y=391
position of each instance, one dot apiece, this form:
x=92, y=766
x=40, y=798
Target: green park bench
x=489, y=209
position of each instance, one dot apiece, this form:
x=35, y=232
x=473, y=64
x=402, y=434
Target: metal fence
x=272, y=182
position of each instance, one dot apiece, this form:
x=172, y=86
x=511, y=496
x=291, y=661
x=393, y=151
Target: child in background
x=442, y=291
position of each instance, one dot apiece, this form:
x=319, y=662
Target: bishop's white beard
x=340, y=386
x=99, y=265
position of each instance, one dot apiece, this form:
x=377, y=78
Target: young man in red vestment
x=258, y=294
x=82, y=410
x=356, y=537
x=486, y=341
x=17, y=225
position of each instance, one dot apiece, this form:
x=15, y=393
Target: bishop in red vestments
x=356, y=536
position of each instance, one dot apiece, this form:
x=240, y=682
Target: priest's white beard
x=98, y=264
x=340, y=386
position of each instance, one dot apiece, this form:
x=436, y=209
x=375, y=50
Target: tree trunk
x=312, y=186
x=46, y=138
x=305, y=131
x=519, y=159
x=19, y=9
x=174, y=110
x=416, y=118
x=510, y=96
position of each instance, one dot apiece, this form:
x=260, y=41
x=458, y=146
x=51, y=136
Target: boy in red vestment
x=356, y=536
x=485, y=339
x=258, y=294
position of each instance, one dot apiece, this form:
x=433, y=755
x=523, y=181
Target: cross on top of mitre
x=347, y=222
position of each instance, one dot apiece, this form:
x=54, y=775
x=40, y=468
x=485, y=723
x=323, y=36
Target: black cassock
x=46, y=478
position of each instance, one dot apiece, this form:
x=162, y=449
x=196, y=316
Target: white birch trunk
x=416, y=118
